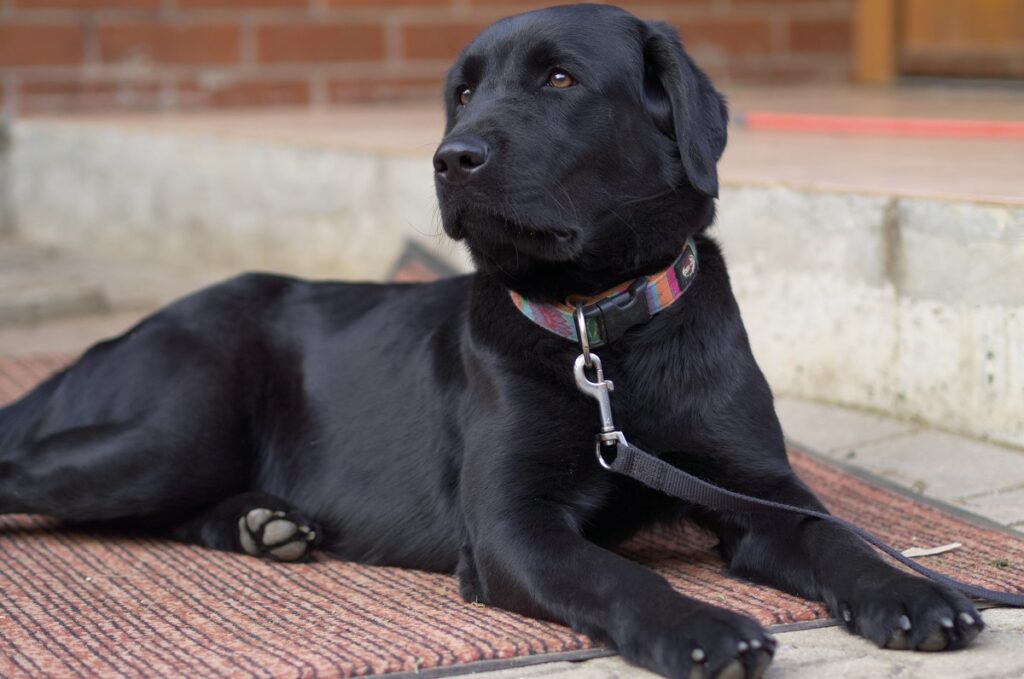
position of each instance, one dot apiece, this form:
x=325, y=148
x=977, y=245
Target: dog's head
x=580, y=149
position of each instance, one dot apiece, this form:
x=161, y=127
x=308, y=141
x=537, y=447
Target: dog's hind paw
x=284, y=536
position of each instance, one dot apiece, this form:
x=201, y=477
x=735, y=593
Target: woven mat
x=74, y=603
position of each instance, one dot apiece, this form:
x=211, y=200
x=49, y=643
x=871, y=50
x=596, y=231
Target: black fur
x=433, y=426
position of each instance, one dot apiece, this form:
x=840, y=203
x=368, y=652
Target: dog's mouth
x=499, y=236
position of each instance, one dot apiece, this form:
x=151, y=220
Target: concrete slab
x=832, y=652
x=942, y=465
x=838, y=308
x=1005, y=507
x=835, y=431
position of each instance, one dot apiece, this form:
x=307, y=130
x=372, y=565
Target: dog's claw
x=970, y=633
x=698, y=655
x=904, y=623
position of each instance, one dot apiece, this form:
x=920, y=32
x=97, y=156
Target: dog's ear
x=684, y=105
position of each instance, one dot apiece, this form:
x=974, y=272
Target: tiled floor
x=979, y=477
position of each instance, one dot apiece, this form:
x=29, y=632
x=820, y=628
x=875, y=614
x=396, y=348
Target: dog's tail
x=19, y=419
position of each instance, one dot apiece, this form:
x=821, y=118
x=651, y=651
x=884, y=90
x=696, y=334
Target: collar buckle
x=620, y=312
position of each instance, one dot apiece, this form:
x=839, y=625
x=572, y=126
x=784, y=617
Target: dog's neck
x=609, y=314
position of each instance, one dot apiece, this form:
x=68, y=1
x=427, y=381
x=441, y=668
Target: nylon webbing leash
x=655, y=473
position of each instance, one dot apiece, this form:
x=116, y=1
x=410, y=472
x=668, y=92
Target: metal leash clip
x=598, y=390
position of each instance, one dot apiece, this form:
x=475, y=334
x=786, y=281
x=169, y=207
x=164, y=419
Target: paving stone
x=942, y=465
x=831, y=652
x=1006, y=507
x=834, y=430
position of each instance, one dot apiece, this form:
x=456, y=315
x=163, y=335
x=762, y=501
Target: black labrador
x=437, y=426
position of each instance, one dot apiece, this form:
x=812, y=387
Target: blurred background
x=872, y=208
x=80, y=55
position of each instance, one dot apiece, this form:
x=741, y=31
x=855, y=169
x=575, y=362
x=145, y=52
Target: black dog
x=438, y=427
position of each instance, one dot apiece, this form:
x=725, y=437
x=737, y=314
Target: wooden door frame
x=874, y=42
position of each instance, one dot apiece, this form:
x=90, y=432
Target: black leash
x=657, y=474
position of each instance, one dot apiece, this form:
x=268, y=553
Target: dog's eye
x=560, y=79
x=465, y=94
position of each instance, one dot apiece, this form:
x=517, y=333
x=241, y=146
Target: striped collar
x=611, y=313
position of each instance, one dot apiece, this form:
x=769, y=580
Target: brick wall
x=173, y=54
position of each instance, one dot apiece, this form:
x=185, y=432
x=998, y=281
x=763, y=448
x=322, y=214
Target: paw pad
x=279, y=535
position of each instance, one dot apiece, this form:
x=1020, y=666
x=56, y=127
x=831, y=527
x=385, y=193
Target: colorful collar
x=610, y=314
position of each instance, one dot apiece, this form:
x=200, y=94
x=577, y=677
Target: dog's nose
x=459, y=159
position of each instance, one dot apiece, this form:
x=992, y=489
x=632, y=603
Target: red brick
x=383, y=88
x=40, y=45
x=170, y=44
x=777, y=3
x=807, y=70
x=819, y=36
x=245, y=93
x=315, y=43
x=75, y=95
x=389, y=3
x=86, y=4
x=437, y=41
x=734, y=37
x=642, y=8
x=241, y=4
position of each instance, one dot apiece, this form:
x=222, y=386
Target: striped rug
x=76, y=603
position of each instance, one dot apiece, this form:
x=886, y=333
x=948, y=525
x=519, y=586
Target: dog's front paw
x=906, y=612
x=284, y=536
x=709, y=643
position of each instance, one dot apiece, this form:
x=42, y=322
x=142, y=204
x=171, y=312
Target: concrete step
x=31, y=303
x=44, y=284
x=878, y=272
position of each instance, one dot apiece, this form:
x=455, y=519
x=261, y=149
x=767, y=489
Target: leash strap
x=657, y=474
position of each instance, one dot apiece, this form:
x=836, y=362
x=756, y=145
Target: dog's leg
x=819, y=560
x=254, y=523
x=114, y=471
x=538, y=564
